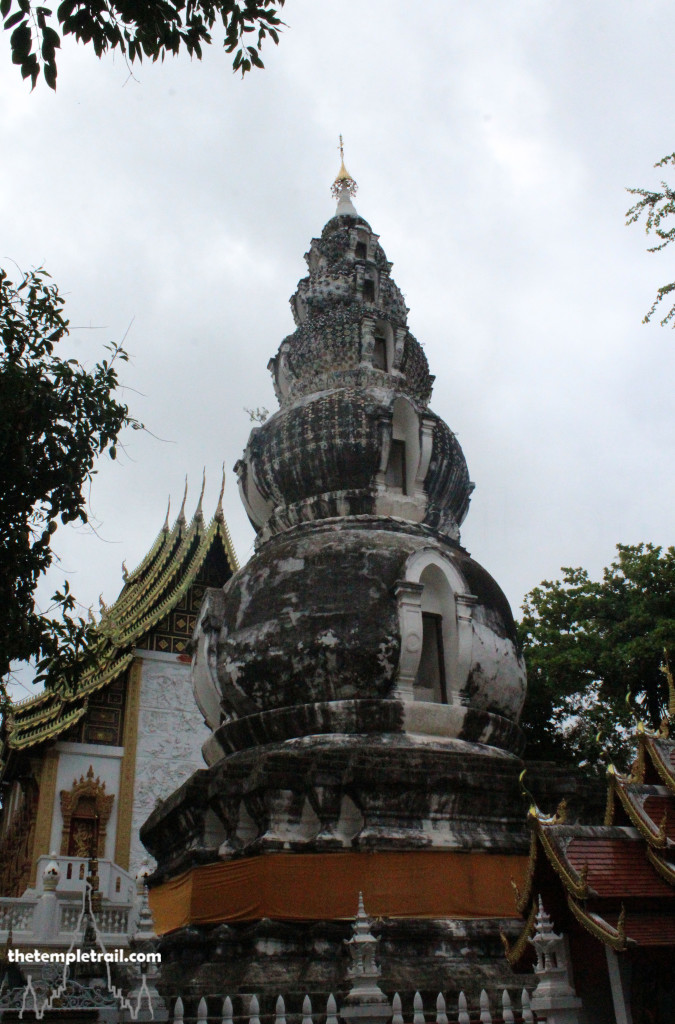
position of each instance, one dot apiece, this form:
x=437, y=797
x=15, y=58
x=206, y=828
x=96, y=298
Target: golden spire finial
x=344, y=186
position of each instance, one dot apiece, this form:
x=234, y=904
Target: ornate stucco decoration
x=86, y=793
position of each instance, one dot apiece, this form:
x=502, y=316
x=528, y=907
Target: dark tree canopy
x=657, y=207
x=55, y=419
x=595, y=653
x=138, y=29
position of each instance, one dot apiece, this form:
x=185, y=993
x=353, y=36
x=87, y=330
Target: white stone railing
x=459, y=1013
x=114, y=920
x=111, y=921
x=16, y=913
x=115, y=884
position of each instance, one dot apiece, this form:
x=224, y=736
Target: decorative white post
x=144, y=940
x=554, y=997
x=46, y=916
x=144, y=929
x=366, y=1003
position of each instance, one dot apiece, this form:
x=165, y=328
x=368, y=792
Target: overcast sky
x=492, y=143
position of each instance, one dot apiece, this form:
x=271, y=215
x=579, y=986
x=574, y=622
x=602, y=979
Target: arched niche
x=405, y=450
x=383, y=346
x=85, y=809
x=436, y=630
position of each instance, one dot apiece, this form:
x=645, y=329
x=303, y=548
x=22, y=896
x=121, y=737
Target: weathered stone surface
x=360, y=675
x=274, y=956
x=304, y=455
x=403, y=794
x=314, y=616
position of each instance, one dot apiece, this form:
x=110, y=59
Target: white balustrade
x=16, y=913
x=115, y=884
x=464, y=1015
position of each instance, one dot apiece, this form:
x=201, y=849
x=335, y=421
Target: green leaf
x=15, y=19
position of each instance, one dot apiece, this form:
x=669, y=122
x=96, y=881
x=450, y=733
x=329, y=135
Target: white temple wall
x=170, y=736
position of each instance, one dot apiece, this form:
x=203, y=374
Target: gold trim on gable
x=45, y=809
x=601, y=929
x=665, y=773
x=128, y=766
x=576, y=882
x=654, y=837
x=663, y=867
x=515, y=952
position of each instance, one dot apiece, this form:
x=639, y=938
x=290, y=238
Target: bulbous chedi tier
x=354, y=435
x=345, y=611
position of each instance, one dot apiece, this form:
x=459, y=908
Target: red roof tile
x=617, y=868
x=647, y=929
x=656, y=807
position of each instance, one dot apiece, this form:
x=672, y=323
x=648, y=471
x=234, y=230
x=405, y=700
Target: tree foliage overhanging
x=56, y=417
x=657, y=207
x=594, y=654
x=149, y=28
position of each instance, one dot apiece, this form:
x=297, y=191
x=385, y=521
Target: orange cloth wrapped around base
x=325, y=886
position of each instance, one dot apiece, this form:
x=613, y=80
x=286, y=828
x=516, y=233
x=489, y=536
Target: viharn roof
x=175, y=560
x=615, y=880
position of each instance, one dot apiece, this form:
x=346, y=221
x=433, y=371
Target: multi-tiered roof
x=615, y=881
x=155, y=610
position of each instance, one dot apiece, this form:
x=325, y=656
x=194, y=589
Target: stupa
x=361, y=679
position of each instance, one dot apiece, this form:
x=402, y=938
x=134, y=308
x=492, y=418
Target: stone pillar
x=409, y=597
x=619, y=987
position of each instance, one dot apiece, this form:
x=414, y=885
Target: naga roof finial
x=667, y=671
x=219, y=507
x=181, y=514
x=344, y=187
x=165, y=528
x=198, y=511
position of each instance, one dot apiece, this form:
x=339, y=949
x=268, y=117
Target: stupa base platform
x=271, y=957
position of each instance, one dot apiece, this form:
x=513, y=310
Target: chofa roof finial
x=220, y=515
x=199, y=512
x=181, y=514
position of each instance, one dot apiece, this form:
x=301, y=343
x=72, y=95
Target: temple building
x=360, y=679
x=81, y=770
x=609, y=891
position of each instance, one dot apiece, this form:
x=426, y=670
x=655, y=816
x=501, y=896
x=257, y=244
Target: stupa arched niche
x=432, y=632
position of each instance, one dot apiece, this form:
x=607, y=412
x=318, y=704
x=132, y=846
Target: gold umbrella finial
x=344, y=186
